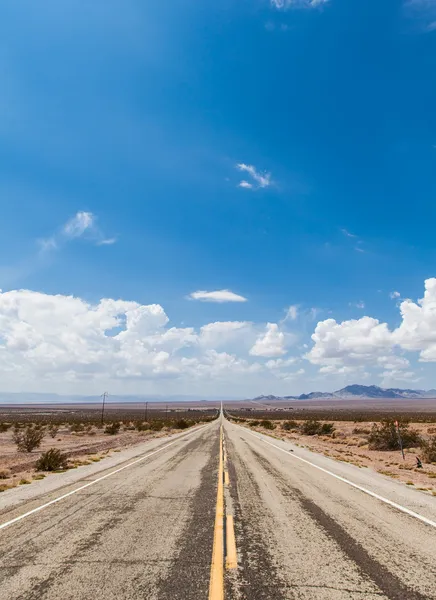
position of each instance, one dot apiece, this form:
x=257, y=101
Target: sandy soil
x=349, y=445
x=18, y=468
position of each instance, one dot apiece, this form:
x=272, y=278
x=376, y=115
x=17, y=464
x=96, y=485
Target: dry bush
x=313, y=427
x=5, y=474
x=182, y=424
x=254, y=423
x=290, y=425
x=52, y=460
x=4, y=427
x=53, y=430
x=267, y=424
x=385, y=436
x=429, y=450
x=28, y=439
x=112, y=429
x=361, y=430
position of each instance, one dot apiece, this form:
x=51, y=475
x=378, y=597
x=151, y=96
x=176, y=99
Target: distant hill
x=356, y=391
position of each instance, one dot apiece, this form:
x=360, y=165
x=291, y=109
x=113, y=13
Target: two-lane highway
x=146, y=529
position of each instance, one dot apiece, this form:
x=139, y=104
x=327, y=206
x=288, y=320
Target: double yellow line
x=216, y=586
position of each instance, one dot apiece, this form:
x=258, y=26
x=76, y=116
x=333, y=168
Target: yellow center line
x=216, y=586
x=232, y=557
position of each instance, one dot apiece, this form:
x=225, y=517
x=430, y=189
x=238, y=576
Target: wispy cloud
x=347, y=233
x=216, y=296
x=107, y=242
x=360, y=304
x=260, y=179
x=78, y=224
x=292, y=313
x=82, y=224
x=287, y=4
x=422, y=12
x=394, y=295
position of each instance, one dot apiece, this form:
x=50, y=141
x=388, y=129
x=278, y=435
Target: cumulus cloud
x=217, y=296
x=357, y=343
x=260, y=180
x=270, y=344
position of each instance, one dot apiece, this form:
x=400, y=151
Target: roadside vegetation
x=365, y=440
x=33, y=441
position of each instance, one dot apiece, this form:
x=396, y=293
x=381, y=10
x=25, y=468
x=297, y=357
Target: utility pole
x=146, y=411
x=104, y=396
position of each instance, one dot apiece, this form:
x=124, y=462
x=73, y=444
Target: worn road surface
x=146, y=531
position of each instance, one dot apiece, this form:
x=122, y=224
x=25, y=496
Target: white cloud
x=270, y=344
x=78, y=224
x=217, y=296
x=350, y=343
x=281, y=363
x=245, y=184
x=286, y=4
x=366, y=341
x=220, y=333
x=417, y=330
x=292, y=312
x=261, y=180
x=394, y=295
x=360, y=304
x=83, y=223
x=348, y=234
x=107, y=242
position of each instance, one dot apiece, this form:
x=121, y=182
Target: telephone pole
x=104, y=396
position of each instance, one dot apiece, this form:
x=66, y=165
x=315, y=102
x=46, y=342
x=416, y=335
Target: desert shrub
x=4, y=427
x=429, y=450
x=53, y=430
x=28, y=439
x=327, y=428
x=112, y=428
x=142, y=426
x=156, y=425
x=311, y=427
x=254, y=423
x=4, y=474
x=182, y=424
x=267, y=424
x=52, y=460
x=363, y=430
x=290, y=425
x=77, y=427
x=385, y=437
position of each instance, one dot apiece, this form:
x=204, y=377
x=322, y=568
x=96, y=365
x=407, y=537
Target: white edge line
x=354, y=485
x=82, y=487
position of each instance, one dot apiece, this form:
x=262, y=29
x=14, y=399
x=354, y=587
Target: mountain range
x=356, y=391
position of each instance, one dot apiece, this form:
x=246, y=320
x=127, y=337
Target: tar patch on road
x=256, y=577
x=386, y=581
x=189, y=574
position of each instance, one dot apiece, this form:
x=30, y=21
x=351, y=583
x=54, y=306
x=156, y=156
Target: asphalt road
x=147, y=530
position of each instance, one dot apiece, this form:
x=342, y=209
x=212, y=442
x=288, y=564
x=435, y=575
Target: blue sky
x=126, y=122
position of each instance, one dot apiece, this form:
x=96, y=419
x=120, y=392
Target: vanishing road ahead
x=304, y=527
